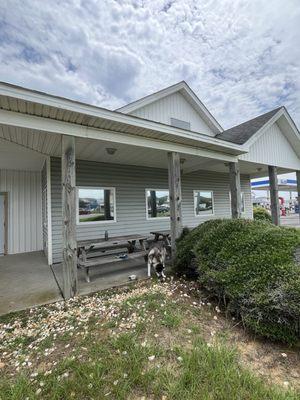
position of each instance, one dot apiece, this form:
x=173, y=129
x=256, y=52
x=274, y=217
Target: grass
x=107, y=353
x=93, y=218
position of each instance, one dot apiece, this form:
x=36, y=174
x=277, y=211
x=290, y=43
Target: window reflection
x=96, y=204
x=203, y=202
x=158, y=203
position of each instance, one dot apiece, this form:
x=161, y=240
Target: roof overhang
x=36, y=110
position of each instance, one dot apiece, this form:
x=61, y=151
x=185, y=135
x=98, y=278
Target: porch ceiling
x=16, y=144
x=248, y=168
x=43, y=144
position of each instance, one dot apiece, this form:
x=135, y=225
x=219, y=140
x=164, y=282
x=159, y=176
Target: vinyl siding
x=130, y=183
x=24, y=209
x=272, y=148
x=174, y=106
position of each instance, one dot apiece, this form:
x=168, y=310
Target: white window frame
x=205, y=213
x=109, y=221
x=146, y=201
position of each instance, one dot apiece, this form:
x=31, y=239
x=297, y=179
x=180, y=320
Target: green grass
x=112, y=361
x=92, y=218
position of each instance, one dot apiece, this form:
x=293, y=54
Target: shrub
x=185, y=246
x=250, y=267
x=260, y=213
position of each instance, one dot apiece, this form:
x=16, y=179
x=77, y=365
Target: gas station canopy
x=284, y=185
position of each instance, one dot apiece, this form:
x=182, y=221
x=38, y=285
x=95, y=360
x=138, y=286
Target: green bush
x=185, y=246
x=250, y=267
x=261, y=214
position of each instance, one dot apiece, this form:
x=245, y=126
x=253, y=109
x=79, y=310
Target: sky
x=241, y=57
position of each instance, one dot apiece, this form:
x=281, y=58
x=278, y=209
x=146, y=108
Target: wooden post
x=68, y=176
x=175, y=198
x=235, y=189
x=298, y=190
x=274, y=195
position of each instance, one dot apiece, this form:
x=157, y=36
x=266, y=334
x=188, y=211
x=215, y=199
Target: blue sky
x=241, y=57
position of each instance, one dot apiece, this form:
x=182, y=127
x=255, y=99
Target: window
x=178, y=123
x=95, y=205
x=158, y=203
x=203, y=202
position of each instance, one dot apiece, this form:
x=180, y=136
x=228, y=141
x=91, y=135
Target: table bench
x=164, y=235
x=96, y=252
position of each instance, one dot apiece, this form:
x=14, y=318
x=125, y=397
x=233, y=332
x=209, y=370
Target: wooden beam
x=274, y=195
x=68, y=176
x=49, y=210
x=235, y=189
x=175, y=198
x=298, y=190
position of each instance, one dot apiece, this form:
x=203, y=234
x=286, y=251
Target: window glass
x=158, y=203
x=96, y=204
x=203, y=202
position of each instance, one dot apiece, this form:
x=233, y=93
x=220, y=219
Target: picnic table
x=86, y=248
x=165, y=235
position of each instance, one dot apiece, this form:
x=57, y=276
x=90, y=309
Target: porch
x=28, y=281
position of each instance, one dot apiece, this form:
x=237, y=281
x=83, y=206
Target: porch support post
x=298, y=190
x=69, y=217
x=235, y=189
x=274, y=195
x=175, y=198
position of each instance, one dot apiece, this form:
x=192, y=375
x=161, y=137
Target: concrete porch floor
x=26, y=281
x=291, y=220
x=106, y=276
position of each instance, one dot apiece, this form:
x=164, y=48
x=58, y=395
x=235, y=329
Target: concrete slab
x=291, y=220
x=106, y=276
x=26, y=281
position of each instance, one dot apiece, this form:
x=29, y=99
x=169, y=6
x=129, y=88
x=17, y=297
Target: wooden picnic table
x=84, y=247
x=165, y=235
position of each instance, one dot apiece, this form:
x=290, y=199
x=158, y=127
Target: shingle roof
x=240, y=134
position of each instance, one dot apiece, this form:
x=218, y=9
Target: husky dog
x=157, y=258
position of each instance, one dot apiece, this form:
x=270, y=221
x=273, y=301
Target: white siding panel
x=273, y=148
x=24, y=209
x=173, y=106
x=130, y=183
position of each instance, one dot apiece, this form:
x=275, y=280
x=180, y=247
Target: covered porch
x=128, y=153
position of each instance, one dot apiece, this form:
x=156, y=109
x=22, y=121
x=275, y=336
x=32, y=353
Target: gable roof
x=250, y=131
x=183, y=88
x=241, y=133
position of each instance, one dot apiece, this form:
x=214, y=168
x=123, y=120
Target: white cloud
x=242, y=58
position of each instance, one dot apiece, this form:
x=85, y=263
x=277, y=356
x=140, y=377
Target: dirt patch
x=276, y=363
x=88, y=316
